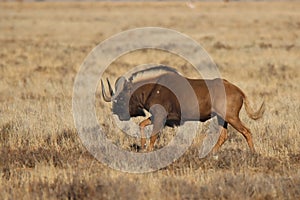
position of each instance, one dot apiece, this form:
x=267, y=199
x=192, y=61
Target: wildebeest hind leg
x=238, y=125
x=222, y=138
x=223, y=134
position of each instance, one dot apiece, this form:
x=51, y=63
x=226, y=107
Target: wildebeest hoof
x=135, y=147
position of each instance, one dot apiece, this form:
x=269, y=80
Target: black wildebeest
x=140, y=92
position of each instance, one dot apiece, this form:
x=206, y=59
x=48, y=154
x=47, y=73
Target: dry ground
x=256, y=46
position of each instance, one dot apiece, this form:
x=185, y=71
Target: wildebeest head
x=129, y=96
x=120, y=98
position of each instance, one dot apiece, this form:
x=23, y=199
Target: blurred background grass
x=255, y=45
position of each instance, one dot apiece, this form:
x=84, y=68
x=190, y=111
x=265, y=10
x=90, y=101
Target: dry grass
x=256, y=46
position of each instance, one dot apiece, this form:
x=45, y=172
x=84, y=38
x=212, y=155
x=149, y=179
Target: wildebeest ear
x=120, y=84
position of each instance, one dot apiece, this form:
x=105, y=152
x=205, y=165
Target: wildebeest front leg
x=158, y=119
x=142, y=125
x=158, y=125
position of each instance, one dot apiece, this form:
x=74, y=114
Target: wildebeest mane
x=151, y=72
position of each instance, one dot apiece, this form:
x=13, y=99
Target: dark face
x=120, y=105
x=126, y=105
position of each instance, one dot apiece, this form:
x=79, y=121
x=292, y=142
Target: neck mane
x=149, y=73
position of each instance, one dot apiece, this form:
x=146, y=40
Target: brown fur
x=216, y=97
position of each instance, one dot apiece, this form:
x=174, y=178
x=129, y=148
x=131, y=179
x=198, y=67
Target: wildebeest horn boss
x=133, y=95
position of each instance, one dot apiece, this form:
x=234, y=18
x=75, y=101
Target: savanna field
x=256, y=46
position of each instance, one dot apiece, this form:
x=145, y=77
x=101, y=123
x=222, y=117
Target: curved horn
x=110, y=88
x=105, y=97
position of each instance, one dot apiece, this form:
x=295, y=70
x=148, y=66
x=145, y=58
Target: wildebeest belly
x=173, y=120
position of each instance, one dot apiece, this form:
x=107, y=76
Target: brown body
x=216, y=97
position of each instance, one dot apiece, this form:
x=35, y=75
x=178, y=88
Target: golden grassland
x=42, y=45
